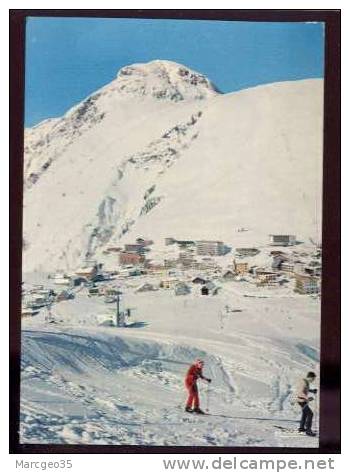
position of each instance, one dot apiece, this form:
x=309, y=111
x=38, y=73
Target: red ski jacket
x=193, y=374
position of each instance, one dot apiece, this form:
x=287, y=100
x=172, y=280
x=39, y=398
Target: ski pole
x=316, y=413
x=208, y=397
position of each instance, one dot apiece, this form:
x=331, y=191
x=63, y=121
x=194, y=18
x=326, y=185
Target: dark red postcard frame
x=330, y=319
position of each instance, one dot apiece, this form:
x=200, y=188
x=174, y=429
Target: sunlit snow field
x=83, y=383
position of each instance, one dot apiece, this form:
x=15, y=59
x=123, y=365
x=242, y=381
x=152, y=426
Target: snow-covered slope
x=160, y=152
x=160, y=80
x=83, y=383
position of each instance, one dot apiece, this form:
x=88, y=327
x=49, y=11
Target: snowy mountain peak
x=160, y=80
x=165, y=80
x=117, y=167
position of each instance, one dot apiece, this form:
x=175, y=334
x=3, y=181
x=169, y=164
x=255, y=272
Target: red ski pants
x=193, y=397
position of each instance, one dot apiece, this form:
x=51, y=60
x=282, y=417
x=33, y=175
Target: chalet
x=199, y=280
x=240, y=268
x=306, y=284
x=182, y=289
x=282, y=240
x=210, y=248
x=247, y=251
x=229, y=275
x=130, y=258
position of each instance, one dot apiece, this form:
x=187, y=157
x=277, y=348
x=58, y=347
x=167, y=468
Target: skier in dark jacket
x=303, y=399
x=193, y=373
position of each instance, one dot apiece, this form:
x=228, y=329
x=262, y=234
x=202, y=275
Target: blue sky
x=69, y=58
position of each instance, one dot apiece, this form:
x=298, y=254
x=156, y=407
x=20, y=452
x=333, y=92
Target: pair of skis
x=291, y=430
x=207, y=413
x=193, y=411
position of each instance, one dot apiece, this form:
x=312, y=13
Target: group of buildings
x=202, y=247
x=195, y=267
x=39, y=297
x=201, y=256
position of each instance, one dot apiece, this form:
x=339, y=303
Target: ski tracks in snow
x=79, y=396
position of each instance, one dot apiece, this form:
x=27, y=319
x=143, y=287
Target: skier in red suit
x=193, y=373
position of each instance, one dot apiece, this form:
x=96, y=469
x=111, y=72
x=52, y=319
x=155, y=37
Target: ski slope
x=88, y=384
